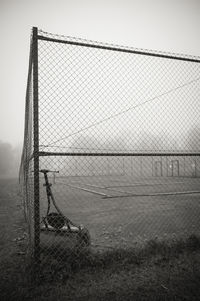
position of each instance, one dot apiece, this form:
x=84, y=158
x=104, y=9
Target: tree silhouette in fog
x=193, y=139
x=9, y=160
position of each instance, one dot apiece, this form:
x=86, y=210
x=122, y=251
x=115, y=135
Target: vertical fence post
x=36, y=251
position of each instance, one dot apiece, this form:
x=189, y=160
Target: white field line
x=90, y=185
x=145, y=184
x=153, y=194
x=129, y=185
x=84, y=189
x=104, y=187
x=126, y=192
x=93, y=191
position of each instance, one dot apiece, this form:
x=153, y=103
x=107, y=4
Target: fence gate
x=99, y=119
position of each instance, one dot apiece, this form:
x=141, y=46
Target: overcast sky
x=166, y=25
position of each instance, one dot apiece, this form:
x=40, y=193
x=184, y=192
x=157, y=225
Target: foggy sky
x=171, y=26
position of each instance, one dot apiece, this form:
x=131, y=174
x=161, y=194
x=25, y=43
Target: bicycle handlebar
x=47, y=170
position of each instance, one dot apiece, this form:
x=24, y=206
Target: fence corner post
x=36, y=206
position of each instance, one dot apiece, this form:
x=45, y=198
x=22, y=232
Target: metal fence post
x=36, y=252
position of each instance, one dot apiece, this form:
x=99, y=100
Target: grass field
x=12, y=240
x=160, y=270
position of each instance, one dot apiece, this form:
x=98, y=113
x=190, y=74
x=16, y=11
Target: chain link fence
x=111, y=153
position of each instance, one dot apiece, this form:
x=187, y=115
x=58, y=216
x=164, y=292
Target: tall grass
x=68, y=262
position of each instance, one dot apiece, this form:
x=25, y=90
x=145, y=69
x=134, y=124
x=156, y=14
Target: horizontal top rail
x=126, y=50
x=136, y=154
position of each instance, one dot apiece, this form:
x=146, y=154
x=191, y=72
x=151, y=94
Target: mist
x=9, y=160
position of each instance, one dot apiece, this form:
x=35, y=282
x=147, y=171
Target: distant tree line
x=9, y=160
x=140, y=141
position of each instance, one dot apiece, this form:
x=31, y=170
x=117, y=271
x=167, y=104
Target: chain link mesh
x=119, y=145
x=26, y=167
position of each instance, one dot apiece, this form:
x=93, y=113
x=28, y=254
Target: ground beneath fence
x=13, y=241
x=155, y=275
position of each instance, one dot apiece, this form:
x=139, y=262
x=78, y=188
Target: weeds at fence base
x=63, y=263
x=159, y=270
